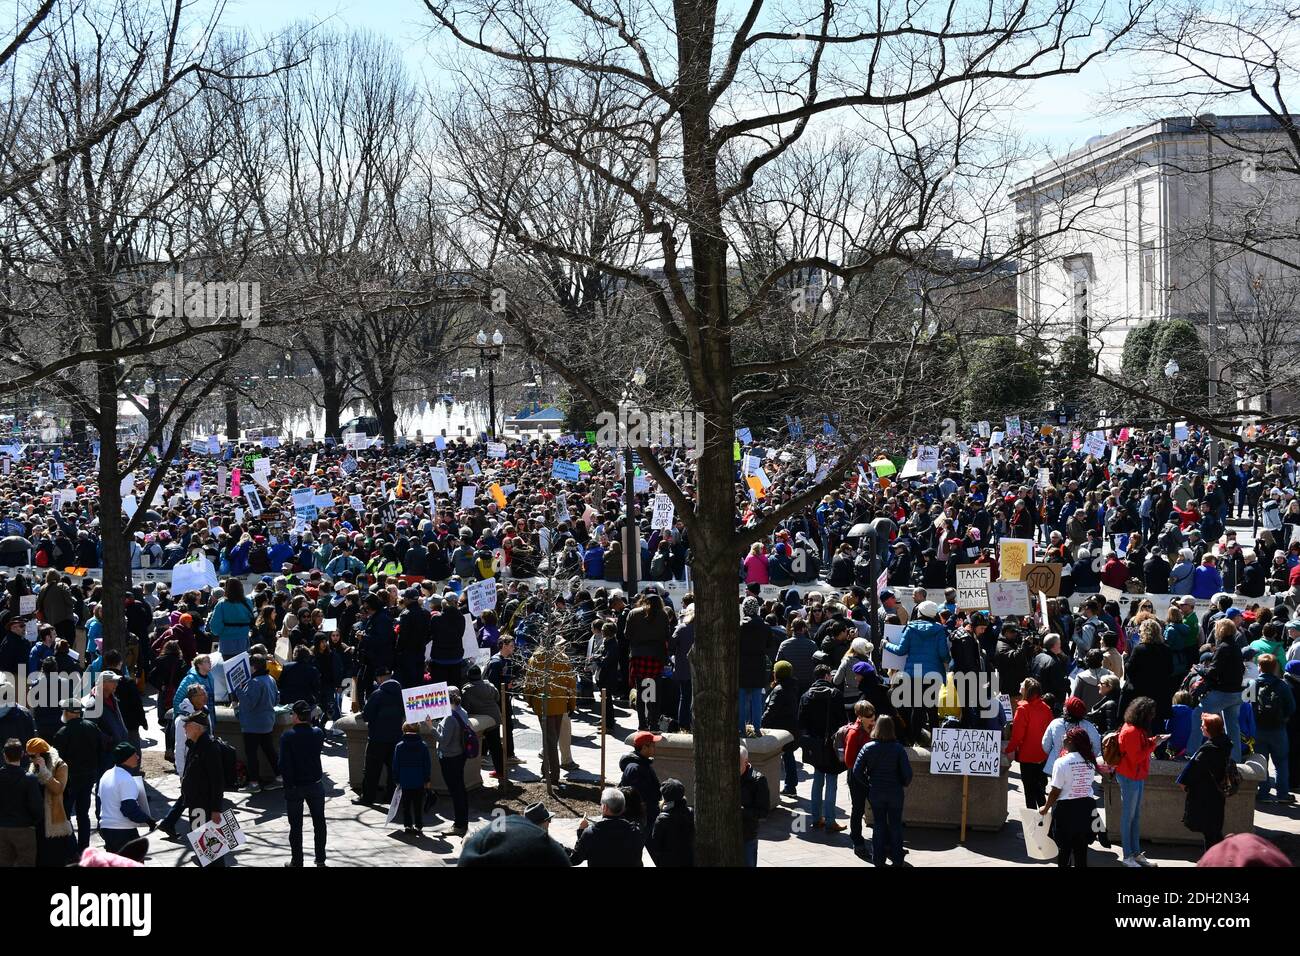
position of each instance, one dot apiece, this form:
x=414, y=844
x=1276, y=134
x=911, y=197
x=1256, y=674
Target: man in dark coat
x=672, y=842
x=384, y=715
x=204, y=784
x=83, y=746
x=447, y=654
x=612, y=840
x=1051, y=669
x=412, y=638
x=639, y=774
x=1155, y=573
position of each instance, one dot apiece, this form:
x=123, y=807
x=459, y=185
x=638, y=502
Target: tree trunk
x=117, y=563
x=332, y=400
x=714, y=671
x=232, y=415
x=387, y=413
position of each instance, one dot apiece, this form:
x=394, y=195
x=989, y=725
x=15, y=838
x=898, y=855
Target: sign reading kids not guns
x=427, y=700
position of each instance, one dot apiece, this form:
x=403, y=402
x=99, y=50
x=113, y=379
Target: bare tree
x=685, y=116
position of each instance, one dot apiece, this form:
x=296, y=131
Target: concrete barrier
x=675, y=757
x=1163, y=800
x=357, y=733
x=934, y=800
x=228, y=730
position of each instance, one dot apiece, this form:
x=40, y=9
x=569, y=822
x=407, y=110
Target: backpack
x=841, y=739
x=229, y=764
x=471, y=743
x=1194, y=683
x=1110, y=751
x=1269, y=712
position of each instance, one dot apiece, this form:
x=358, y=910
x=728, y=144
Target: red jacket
x=1135, y=749
x=1027, y=729
x=857, y=738
x=1115, y=573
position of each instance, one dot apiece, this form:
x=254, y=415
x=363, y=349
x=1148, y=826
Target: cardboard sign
x=1014, y=554
x=239, y=671
x=972, y=586
x=566, y=471
x=888, y=659
x=482, y=596
x=427, y=700
x=1008, y=598
x=662, y=516
x=1042, y=579
x=209, y=843
x=970, y=753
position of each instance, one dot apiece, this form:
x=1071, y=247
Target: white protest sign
x=1044, y=478
x=974, y=753
x=927, y=458
x=888, y=659
x=1013, y=426
x=438, y=475
x=1008, y=598
x=209, y=843
x=810, y=465
x=482, y=596
x=356, y=503
x=496, y=449
x=467, y=495
x=972, y=586
x=427, y=700
x=662, y=518
x=1094, y=444
x=27, y=604
x=311, y=467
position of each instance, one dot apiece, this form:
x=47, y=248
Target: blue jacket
x=230, y=624
x=594, y=562
x=238, y=558
x=279, y=553
x=192, y=677
x=257, y=705
x=300, y=748
x=384, y=713
x=883, y=768
x=412, y=764
x=1180, y=578
x=1206, y=582
x=925, y=645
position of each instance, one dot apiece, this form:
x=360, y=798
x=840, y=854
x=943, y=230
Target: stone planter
x=934, y=800
x=228, y=730
x=356, y=733
x=675, y=757
x=1162, y=804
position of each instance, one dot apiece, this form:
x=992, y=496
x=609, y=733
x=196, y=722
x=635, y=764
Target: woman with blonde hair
x=1149, y=671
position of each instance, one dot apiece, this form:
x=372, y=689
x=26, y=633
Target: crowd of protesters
x=364, y=591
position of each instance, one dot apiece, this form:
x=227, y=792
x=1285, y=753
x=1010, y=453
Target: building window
x=1147, y=277
x=1079, y=305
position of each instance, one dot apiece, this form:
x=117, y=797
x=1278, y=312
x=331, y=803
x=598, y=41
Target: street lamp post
x=632, y=538
x=1208, y=122
x=489, y=355
x=1171, y=369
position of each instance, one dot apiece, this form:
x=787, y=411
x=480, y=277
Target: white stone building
x=1129, y=234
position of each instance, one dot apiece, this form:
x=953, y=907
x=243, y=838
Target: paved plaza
x=358, y=835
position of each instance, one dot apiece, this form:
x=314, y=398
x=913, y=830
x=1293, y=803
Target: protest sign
x=1013, y=426
x=888, y=659
x=496, y=449
x=27, y=604
x=662, y=518
x=427, y=700
x=209, y=843
x=482, y=596
x=1008, y=598
x=566, y=471
x=927, y=458
x=356, y=502
x=1094, y=444
x=972, y=586
x=239, y=672
x=254, y=500
x=303, y=497
x=1042, y=578
x=1013, y=554
x=438, y=475
x=974, y=753
x=467, y=495
x=497, y=494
